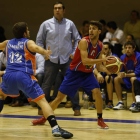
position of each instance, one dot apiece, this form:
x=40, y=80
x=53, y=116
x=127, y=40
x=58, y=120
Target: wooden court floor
x=123, y=125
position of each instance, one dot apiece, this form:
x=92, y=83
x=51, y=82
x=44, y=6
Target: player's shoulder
x=137, y=54
x=122, y=56
x=100, y=44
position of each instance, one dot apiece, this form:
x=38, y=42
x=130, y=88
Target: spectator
x=129, y=72
x=129, y=38
x=84, y=31
x=58, y=32
x=115, y=36
x=133, y=27
x=104, y=30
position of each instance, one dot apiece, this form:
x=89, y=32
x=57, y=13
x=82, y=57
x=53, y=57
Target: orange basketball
x=115, y=65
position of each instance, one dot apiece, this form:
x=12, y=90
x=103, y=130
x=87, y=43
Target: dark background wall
x=34, y=12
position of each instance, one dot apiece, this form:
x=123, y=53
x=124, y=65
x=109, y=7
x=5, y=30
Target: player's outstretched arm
x=3, y=45
x=37, y=49
x=84, y=54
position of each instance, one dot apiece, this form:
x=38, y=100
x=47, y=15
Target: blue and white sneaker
x=119, y=106
x=132, y=106
x=59, y=132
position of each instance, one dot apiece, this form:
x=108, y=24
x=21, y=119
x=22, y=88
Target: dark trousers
x=52, y=75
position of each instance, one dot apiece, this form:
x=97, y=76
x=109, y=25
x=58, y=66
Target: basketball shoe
x=136, y=109
x=132, y=106
x=109, y=106
x=40, y=121
x=119, y=106
x=59, y=132
x=101, y=124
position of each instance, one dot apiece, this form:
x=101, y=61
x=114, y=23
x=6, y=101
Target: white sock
x=55, y=127
x=137, y=98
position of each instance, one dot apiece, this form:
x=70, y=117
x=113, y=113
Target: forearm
x=89, y=61
x=101, y=68
x=130, y=75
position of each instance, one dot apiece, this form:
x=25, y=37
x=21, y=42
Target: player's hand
x=108, y=73
x=71, y=56
x=108, y=58
x=48, y=53
x=100, y=78
x=121, y=74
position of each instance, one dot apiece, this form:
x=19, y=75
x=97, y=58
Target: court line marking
x=74, y=129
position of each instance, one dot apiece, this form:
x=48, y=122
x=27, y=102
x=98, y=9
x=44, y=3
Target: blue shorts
x=127, y=83
x=18, y=80
x=75, y=79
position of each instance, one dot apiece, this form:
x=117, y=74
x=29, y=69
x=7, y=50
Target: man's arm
x=37, y=49
x=3, y=45
x=99, y=77
x=41, y=35
x=84, y=54
x=75, y=37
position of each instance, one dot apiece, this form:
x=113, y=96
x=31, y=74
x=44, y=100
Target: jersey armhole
x=25, y=44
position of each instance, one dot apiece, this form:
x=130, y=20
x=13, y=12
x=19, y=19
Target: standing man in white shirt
x=115, y=36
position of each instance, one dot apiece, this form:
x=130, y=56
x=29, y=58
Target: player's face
x=129, y=50
x=58, y=11
x=128, y=38
x=106, y=50
x=94, y=32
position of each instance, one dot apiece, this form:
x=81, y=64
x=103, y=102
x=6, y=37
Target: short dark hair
x=85, y=22
x=109, y=45
x=131, y=36
x=130, y=43
x=59, y=2
x=112, y=24
x=96, y=23
x=135, y=12
x=19, y=29
x=102, y=21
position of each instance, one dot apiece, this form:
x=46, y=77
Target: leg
x=49, y=115
x=109, y=87
x=132, y=81
x=50, y=73
x=57, y=84
x=40, y=77
x=99, y=107
x=57, y=100
x=98, y=99
x=118, y=81
x=75, y=104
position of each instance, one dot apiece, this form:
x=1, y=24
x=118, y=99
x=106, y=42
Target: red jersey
x=93, y=52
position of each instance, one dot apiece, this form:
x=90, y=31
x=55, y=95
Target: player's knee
x=1, y=104
x=97, y=94
x=106, y=78
x=132, y=79
x=116, y=79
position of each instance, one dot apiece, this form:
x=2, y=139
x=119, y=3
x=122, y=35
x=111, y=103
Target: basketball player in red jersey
x=80, y=72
